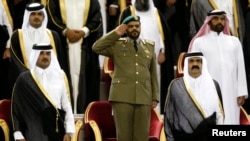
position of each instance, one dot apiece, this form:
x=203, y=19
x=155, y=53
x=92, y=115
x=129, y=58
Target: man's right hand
x=74, y=35
x=6, y=54
x=121, y=29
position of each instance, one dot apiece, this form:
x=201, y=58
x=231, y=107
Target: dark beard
x=219, y=28
x=142, y=5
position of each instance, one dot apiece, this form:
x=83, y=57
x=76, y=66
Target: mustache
x=195, y=67
x=134, y=31
x=36, y=20
x=45, y=60
x=219, y=25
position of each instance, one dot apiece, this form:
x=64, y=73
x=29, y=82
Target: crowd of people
x=81, y=33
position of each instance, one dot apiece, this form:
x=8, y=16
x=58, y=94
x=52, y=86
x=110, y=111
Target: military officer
x=134, y=86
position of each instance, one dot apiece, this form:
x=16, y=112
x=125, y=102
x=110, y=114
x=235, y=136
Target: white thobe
x=5, y=21
x=104, y=24
x=55, y=86
x=74, y=20
x=225, y=63
x=208, y=100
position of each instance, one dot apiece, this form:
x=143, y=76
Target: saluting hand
x=121, y=29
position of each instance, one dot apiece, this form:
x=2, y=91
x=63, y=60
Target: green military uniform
x=134, y=81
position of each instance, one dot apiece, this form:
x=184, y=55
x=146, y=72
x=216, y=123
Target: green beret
x=130, y=18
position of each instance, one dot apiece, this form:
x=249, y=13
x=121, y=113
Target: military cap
x=131, y=18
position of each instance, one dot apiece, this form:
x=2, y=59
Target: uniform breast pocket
x=124, y=51
x=124, y=55
x=147, y=57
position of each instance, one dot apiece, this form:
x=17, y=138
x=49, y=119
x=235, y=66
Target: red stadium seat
x=5, y=106
x=244, y=117
x=99, y=123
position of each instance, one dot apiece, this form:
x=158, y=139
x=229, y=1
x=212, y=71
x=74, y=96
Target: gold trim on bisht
x=6, y=7
x=122, y=4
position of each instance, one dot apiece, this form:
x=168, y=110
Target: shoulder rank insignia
x=148, y=41
x=147, y=51
x=125, y=40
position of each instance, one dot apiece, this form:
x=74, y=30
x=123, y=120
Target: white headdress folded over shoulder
x=34, y=7
x=37, y=48
x=205, y=28
x=203, y=87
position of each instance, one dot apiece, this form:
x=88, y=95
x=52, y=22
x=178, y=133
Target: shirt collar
x=132, y=41
x=41, y=71
x=215, y=33
x=32, y=29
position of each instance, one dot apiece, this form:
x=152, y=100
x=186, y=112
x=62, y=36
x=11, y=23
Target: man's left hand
x=161, y=58
x=154, y=104
x=6, y=54
x=241, y=100
x=66, y=137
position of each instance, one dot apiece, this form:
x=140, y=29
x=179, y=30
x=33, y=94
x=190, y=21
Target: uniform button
x=137, y=72
x=118, y=81
x=124, y=54
x=136, y=82
x=136, y=55
x=136, y=64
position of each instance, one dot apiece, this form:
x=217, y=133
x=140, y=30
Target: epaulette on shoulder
x=123, y=40
x=148, y=41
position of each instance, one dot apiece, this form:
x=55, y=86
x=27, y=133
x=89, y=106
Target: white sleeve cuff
x=8, y=44
x=162, y=50
x=86, y=31
x=64, y=31
x=162, y=44
x=70, y=127
x=18, y=135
